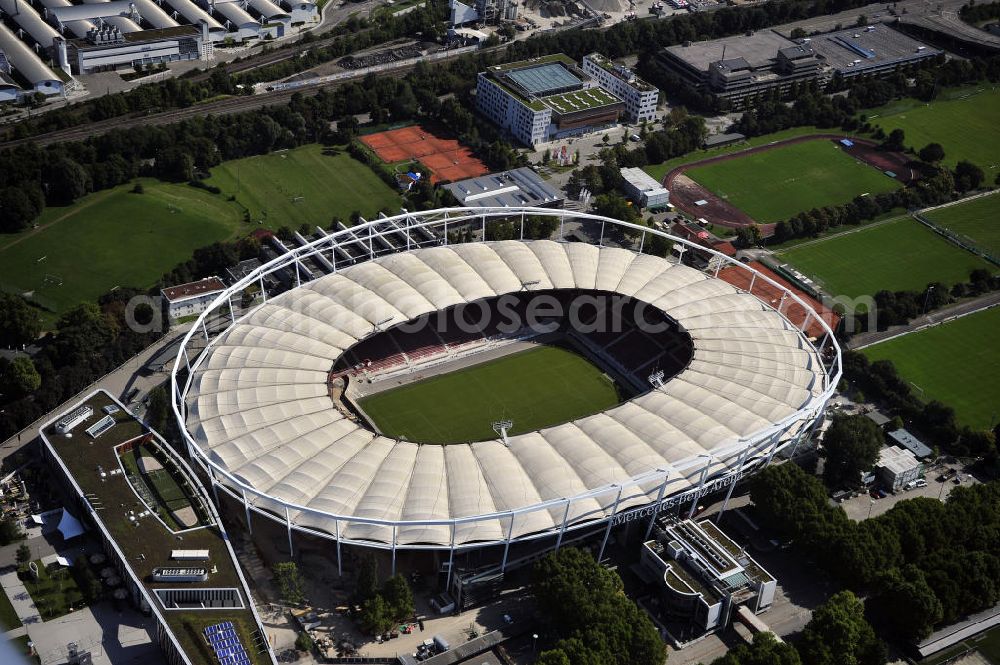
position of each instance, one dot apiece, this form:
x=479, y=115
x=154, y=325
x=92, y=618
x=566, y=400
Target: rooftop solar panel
x=544, y=79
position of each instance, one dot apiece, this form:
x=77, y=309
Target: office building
x=640, y=97
x=544, y=99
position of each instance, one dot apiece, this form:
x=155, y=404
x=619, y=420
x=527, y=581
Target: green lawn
x=111, y=238
x=659, y=171
x=898, y=255
x=776, y=184
x=978, y=219
x=8, y=617
x=54, y=593
x=534, y=388
x=304, y=185
x=954, y=362
x=965, y=126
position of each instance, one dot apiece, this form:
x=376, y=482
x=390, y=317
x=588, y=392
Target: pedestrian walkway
x=24, y=606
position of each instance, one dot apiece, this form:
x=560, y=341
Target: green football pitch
x=534, y=389
x=111, y=238
x=899, y=255
x=304, y=186
x=777, y=184
x=979, y=220
x=966, y=126
x=954, y=363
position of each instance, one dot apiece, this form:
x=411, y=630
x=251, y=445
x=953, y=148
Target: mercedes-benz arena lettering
x=256, y=407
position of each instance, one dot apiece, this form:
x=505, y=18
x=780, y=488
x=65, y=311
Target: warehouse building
x=742, y=69
x=544, y=99
x=110, y=49
x=703, y=576
x=643, y=189
x=640, y=97
x=519, y=187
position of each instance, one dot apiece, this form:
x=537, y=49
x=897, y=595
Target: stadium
x=710, y=382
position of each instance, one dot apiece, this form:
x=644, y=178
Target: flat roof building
x=903, y=438
x=544, y=99
x=703, y=575
x=896, y=467
x=643, y=189
x=517, y=187
x=737, y=70
x=640, y=97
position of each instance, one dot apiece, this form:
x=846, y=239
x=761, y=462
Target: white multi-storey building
x=527, y=121
x=544, y=99
x=640, y=97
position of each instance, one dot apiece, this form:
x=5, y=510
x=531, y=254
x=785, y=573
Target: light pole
x=926, y=297
x=534, y=642
x=871, y=505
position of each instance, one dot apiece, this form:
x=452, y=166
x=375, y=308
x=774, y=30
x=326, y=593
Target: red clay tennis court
x=446, y=159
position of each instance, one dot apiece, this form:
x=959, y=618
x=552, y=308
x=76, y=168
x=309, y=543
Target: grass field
x=978, y=219
x=777, y=184
x=954, y=362
x=304, y=185
x=965, y=126
x=112, y=238
x=898, y=255
x=534, y=388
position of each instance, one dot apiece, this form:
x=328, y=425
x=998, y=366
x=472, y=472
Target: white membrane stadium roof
x=259, y=405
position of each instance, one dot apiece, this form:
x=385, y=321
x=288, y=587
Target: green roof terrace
x=150, y=504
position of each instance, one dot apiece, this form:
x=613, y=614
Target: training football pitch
x=111, y=238
x=307, y=185
x=966, y=127
x=777, y=184
x=979, y=220
x=954, y=363
x=898, y=255
x=534, y=388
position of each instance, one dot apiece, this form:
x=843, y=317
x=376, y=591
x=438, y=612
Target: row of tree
x=921, y=564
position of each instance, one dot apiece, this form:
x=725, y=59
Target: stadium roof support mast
x=501, y=427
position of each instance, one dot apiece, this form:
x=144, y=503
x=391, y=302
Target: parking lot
x=864, y=506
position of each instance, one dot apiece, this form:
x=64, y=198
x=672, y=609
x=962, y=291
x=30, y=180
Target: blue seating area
x=226, y=644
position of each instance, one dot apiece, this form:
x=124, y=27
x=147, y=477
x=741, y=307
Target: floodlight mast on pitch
x=501, y=427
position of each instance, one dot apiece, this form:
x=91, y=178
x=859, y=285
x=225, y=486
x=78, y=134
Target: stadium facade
x=258, y=398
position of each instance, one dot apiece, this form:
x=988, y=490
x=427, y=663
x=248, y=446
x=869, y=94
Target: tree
x=68, y=181
x=553, y=657
x=850, y=447
x=23, y=555
x=838, y=634
x=748, y=236
x=19, y=377
x=367, y=583
x=765, y=650
x=18, y=208
x=303, y=642
x=968, y=176
x=9, y=531
x=159, y=406
x=398, y=597
x=376, y=617
x=19, y=322
x=895, y=141
x=289, y=582
x=905, y=603
x=932, y=153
